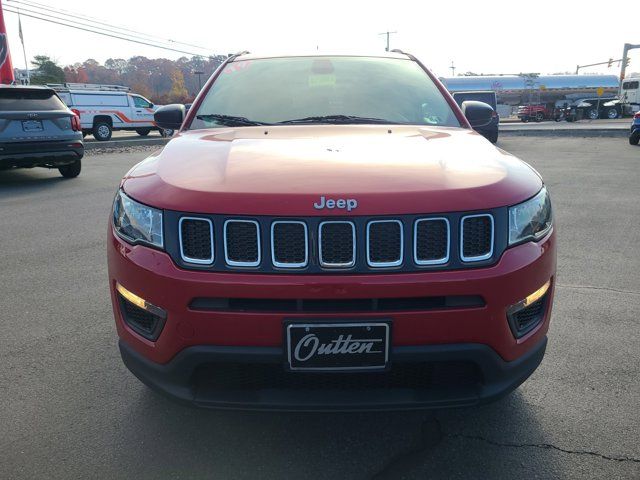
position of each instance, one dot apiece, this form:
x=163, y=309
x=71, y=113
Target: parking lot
x=70, y=409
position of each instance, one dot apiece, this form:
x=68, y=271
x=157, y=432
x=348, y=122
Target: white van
x=105, y=108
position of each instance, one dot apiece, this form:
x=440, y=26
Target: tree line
x=159, y=79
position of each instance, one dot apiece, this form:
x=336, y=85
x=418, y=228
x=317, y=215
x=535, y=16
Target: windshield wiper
x=230, y=120
x=339, y=119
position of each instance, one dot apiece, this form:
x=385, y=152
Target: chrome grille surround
x=437, y=261
x=395, y=263
x=353, y=255
x=197, y=261
x=237, y=263
x=278, y=264
x=477, y=258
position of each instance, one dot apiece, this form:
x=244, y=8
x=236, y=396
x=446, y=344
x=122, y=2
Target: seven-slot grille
x=314, y=245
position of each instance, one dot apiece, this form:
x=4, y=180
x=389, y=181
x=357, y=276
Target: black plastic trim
x=315, y=305
x=519, y=333
x=501, y=232
x=159, y=321
x=174, y=379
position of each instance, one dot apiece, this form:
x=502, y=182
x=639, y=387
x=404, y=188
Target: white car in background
x=105, y=108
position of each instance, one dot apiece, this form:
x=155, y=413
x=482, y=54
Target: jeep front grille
x=322, y=245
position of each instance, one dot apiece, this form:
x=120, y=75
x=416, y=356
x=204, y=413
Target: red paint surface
x=411, y=170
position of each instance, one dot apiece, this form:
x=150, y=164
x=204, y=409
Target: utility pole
x=387, y=34
x=453, y=69
x=24, y=50
x=199, y=74
x=625, y=60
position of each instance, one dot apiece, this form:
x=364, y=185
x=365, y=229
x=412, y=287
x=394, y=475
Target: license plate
x=338, y=346
x=32, y=126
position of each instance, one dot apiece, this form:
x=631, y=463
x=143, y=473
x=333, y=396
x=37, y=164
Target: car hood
x=284, y=170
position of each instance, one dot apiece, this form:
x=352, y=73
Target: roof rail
x=88, y=86
x=233, y=56
x=401, y=52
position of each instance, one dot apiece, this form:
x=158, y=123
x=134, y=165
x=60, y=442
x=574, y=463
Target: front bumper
x=178, y=379
x=192, y=339
x=33, y=154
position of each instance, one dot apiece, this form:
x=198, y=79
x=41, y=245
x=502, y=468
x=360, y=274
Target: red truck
x=329, y=233
x=534, y=113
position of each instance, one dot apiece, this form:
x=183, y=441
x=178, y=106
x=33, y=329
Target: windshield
x=345, y=89
x=21, y=100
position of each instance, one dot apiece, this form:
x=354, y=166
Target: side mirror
x=150, y=105
x=479, y=114
x=169, y=117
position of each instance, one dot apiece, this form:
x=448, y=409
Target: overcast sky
x=481, y=36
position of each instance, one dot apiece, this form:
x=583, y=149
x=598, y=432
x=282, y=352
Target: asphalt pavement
x=69, y=409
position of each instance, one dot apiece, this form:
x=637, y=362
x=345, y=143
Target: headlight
x=530, y=220
x=137, y=223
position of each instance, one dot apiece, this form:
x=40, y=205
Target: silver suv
x=38, y=130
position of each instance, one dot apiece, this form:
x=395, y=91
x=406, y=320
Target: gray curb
x=564, y=132
x=124, y=143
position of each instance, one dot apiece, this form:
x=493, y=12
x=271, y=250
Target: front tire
x=72, y=170
x=634, y=138
x=493, y=136
x=592, y=114
x=102, y=131
x=612, y=113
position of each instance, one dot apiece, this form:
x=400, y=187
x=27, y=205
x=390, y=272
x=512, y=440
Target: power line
x=113, y=28
x=57, y=17
x=100, y=33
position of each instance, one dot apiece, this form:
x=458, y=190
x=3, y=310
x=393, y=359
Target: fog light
x=139, y=301
x=143, y=317
x=525, y=315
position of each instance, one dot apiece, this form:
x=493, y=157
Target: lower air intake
x=141, y=321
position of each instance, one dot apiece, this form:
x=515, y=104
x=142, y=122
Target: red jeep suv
x=327, y=232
